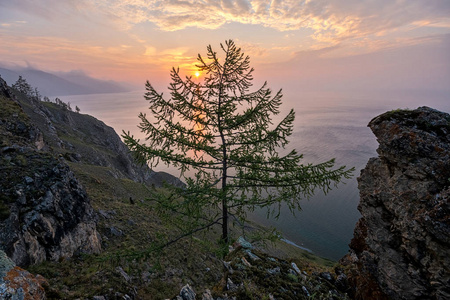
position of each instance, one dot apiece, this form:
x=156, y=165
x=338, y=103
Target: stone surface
x=19, y=284
x=45, y=214
x=187, y=293
x=241, y=242
x=269, y=278
x=207, y=295
x=48, y=219
x=400, y=248
x=124, y=275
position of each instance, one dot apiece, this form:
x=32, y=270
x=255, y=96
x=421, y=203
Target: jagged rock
x=305, y=291
x=186, y=293
x=123, y=296
x=274, y=271
x=231, y=286
x=106, y=214
x=252, y=256
x=327, y=276
x=401, y=244
x=228, y=267
x=19, y=284
x=342, y=283
x=123, y=274
x=296, y=269
x=115, y=232
x=207, y=295
x=241, y=242
x=48, y=219
x=46, y=214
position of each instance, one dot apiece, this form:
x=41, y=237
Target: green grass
x=157, y=275
x=196, y=260
x=168, y=270
x=11, y=108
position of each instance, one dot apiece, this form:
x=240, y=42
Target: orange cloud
x=331, y=22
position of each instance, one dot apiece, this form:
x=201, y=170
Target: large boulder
x=400, y=248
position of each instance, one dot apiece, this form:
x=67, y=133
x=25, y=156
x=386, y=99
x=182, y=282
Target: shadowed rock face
x=45, y=214
x=401, y=245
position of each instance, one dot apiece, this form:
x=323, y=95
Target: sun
x=197, y=74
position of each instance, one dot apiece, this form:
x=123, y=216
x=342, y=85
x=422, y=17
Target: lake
x=328, y=125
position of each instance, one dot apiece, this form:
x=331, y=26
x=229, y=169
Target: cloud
x=151, y=32
x=251, y=49
x=12, y=24
x=51, y=9
x=331, y=22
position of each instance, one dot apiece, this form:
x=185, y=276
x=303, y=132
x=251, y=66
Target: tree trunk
x=224, y=202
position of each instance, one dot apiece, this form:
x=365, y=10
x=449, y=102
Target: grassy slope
x=154, y=276
x=128, y=228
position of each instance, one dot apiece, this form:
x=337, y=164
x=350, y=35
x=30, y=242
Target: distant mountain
x=63, y=83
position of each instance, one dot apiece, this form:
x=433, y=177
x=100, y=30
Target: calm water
x=327, y=125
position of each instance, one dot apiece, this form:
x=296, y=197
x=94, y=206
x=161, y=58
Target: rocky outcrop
x=45, y=214
x=83, y=139
x=19, y=284
x=251, y=274
x=401, y=245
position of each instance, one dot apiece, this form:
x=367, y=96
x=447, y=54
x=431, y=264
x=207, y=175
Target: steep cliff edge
x=45, y=214
x=81, y=138
x=400, y=248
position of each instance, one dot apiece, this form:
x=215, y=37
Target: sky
x=301, y=46
x=309, y=44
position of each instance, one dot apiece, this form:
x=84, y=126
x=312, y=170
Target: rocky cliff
x=81, y=138
x=45, y=213
x=400, y=248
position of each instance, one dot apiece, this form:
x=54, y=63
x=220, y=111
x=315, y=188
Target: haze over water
x=328, y=125
x=298, y=45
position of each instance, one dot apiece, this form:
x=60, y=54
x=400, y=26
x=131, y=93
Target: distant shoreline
x=295, y=245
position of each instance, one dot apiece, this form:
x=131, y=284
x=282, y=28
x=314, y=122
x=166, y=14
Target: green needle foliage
x=225, y=135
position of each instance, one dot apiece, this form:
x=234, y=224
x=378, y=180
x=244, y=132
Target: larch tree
x=223, y=139
x=23, y=86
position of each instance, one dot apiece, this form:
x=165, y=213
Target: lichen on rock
x=19, y=284
x=401, y=244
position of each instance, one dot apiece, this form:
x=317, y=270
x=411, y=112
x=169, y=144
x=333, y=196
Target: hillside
x=76, y=209
x=58, y=147
x=61, y=84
